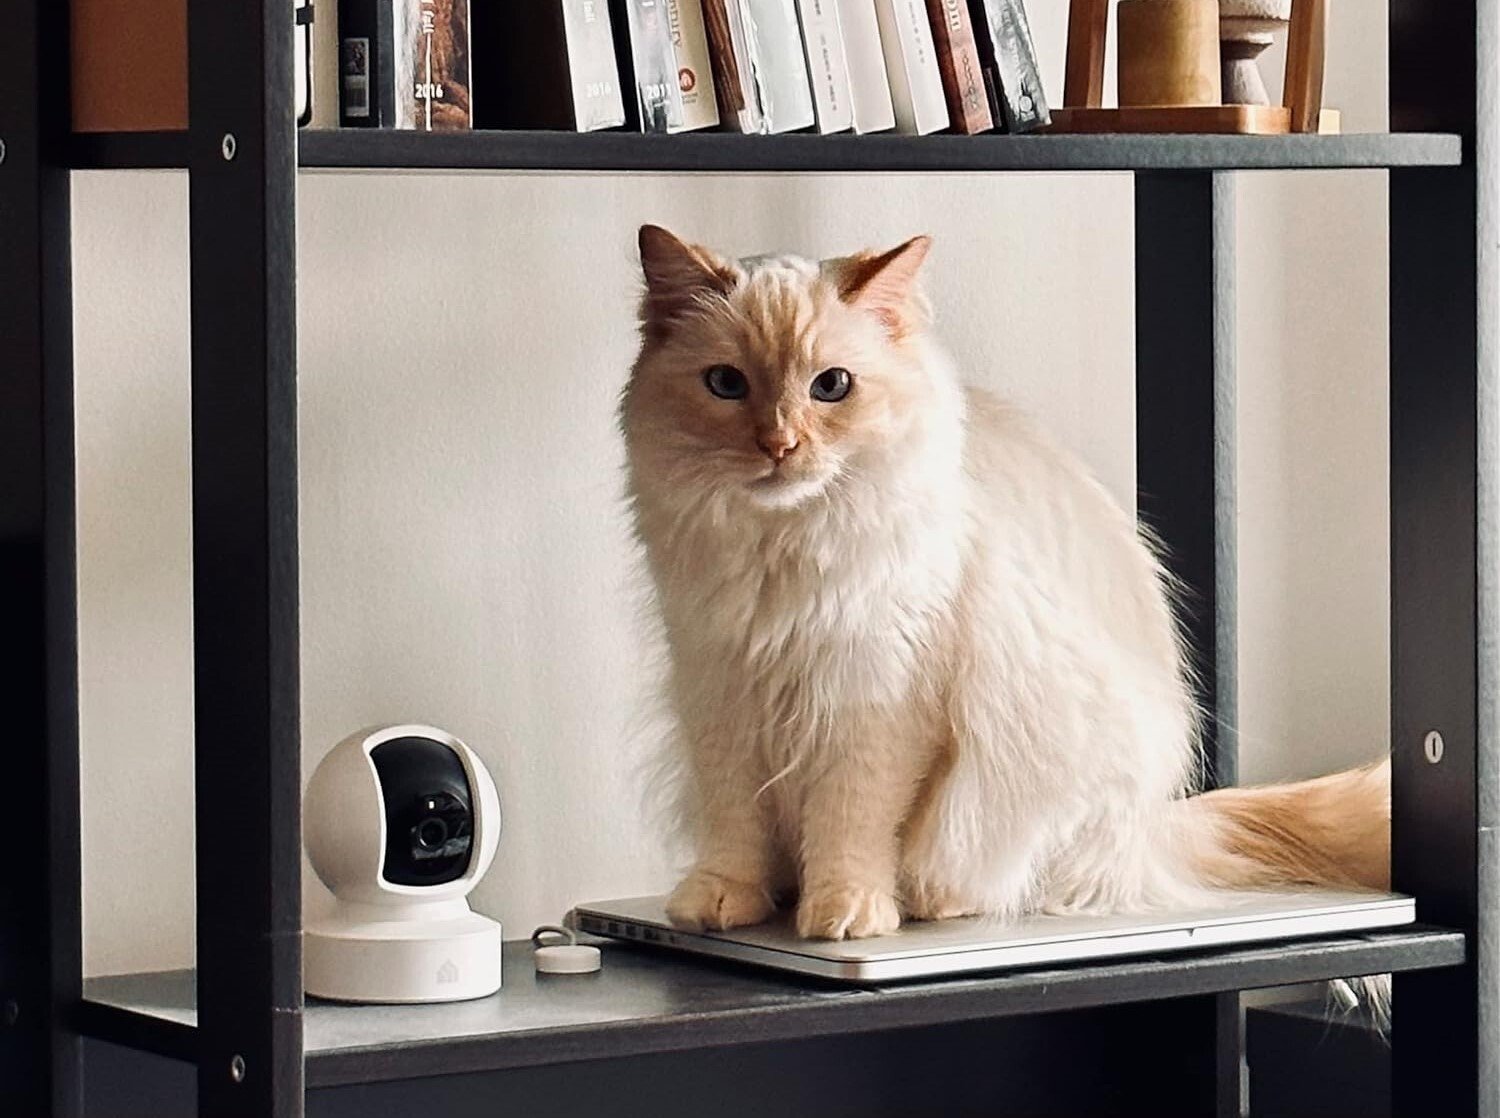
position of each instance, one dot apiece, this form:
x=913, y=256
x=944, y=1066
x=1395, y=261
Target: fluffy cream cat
x=920, y=663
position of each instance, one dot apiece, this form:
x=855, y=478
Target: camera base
x=365, y=953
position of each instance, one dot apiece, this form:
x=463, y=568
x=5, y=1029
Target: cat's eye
x=726, y=382
x=831, y=385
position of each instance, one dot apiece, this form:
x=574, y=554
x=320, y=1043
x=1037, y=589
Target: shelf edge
x=140, y=1031
x=893, y=1007
x=719, y=153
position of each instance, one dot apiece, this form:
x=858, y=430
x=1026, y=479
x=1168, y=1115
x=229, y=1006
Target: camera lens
x=432, y=833
x=429, y=811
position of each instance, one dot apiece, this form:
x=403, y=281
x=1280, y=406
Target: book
x=869, y=87
x=779, y=65
x=432, y=65
x=911, y=65
x=546, y=64
x=964, y=86
x=1008, y=56
x=729, y=52
x=325, y=67
x=643, y=43
x=695, y=76
x=128, y=62
x=828, y=68
x=404, y=64
x=759, y=65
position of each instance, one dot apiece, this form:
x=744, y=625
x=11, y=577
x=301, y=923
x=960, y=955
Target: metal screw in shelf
x=2, y=151
x=228, y=146
x=237, y=1069
x=1432, y=746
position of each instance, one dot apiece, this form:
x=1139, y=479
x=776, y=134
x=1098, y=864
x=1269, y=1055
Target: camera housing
x=401, y=822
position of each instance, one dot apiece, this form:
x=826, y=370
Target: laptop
x=972, y=944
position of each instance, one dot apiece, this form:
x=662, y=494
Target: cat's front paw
x=711, y=901
x=846, y=912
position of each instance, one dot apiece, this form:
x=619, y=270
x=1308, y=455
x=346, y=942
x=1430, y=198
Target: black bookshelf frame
x=242, y=152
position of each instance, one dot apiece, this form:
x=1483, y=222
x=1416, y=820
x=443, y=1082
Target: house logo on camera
x=447, y=974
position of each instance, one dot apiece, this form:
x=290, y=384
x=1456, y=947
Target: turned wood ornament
x=1169, y=53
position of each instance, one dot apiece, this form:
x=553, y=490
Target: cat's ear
x=886, y=285
x=677, y=275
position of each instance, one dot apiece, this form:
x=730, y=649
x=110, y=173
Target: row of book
x=751, y=66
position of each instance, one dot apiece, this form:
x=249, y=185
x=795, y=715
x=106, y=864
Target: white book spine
x=747, y=118
x=694, y=69
x=869, y=87
x=826, y=65
x=779, y=66
x=911, y=64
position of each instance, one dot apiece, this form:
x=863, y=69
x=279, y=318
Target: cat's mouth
x=782, y=486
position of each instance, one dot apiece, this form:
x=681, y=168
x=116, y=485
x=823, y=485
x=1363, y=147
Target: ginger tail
x=1332, y=831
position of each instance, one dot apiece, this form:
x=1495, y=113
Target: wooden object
x=1302, y=95
x=1223, y=120
x=1088, y=25
x=1306, y=49
x=1169, y=53
x=129, y=65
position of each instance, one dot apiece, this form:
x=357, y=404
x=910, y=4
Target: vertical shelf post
x=1445, y=550
x=40, y=902
x=1185, y=438
x=1185, y=462
x=242, y=166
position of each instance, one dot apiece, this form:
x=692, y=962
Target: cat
x=921, y=665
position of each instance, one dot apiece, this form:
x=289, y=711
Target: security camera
x=401, y=823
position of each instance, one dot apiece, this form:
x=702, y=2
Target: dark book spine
x=521, y=65
x=367, y=64
x=729, y=86
x=958, y=62
x=1009, y=58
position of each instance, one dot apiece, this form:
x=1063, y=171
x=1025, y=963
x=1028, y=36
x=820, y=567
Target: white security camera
x=401, y=823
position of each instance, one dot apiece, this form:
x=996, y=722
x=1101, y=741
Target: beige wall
x=465, y=560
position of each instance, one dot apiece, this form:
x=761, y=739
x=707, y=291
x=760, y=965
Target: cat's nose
x=777, y=444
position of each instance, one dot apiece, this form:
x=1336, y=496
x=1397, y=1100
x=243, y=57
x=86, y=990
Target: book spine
x=778, y=65
x=128, y=63
x=694, y=69
x=869, y=87
x=367, y=68
x=1016, y=78
x=432, y=65
x=911, y=63
x=658, y=97
x=593, y=72
x=326, y=79
x=827, y=65
x=958, y=63
x=738, y=105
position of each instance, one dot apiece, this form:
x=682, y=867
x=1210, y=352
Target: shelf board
x=370, y=149
x=643, y=1002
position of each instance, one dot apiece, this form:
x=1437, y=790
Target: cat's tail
x=1334, y=831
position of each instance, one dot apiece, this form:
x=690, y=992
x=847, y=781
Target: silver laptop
x=948, y=947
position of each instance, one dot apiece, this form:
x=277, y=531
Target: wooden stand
x=1302, y=93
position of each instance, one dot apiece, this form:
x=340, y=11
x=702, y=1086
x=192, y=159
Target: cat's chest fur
x=831, y=609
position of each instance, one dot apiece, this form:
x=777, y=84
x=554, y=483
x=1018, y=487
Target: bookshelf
x=260, y=1052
